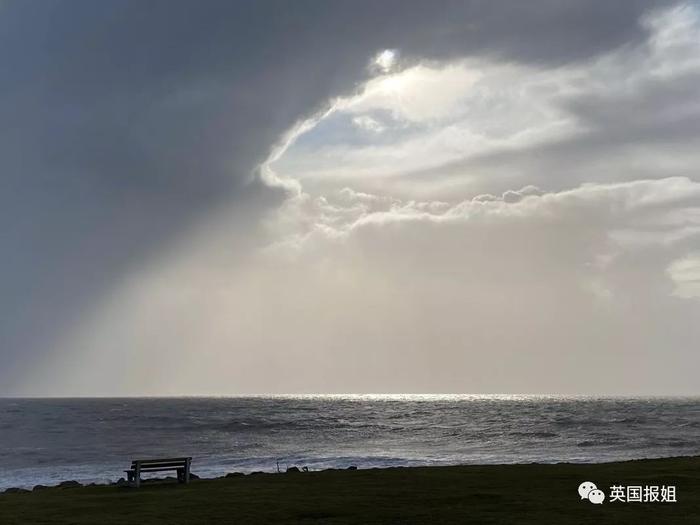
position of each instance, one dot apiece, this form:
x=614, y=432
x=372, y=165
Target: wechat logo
x=588, y=490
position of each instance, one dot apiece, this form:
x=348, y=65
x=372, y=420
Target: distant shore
x=524, y=494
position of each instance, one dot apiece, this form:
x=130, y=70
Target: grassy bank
x=521, y=494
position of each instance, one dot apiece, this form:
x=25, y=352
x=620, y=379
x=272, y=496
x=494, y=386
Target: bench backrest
x=161, y=463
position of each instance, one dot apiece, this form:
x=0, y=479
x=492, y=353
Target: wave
x=534, y=434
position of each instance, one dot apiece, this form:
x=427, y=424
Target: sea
x=45, y=441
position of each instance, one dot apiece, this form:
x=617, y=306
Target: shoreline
x=526, y=493
x=120, y=482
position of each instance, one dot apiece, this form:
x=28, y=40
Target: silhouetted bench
x=180, y=465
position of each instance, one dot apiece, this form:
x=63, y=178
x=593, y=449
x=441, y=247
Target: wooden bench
x=180, y=465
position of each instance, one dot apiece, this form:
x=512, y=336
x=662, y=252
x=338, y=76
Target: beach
x=521, y=493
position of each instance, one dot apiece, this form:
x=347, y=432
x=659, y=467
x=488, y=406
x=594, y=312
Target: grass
x=523, y=494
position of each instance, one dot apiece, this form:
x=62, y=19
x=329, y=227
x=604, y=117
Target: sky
x=266, y=197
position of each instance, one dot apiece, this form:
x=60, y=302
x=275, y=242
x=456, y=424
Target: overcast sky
x=224, y=197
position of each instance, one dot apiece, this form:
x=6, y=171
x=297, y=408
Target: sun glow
x=385, y=60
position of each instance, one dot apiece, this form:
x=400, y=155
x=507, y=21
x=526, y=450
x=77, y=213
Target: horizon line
x=368, y=396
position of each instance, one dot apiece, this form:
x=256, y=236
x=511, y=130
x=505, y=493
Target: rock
x=15, y=490
x=234, y=475
x=69, y=484
x=152, y=480
x=256, y=473
x=39, y=487
x=194, y=476
x=304, y=469
x=352, y=467
x=121, y=482
x=292, y=469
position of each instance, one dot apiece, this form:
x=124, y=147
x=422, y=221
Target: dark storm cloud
x=123, y=122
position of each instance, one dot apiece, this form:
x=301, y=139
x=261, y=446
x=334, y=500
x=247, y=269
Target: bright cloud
x=368, y=123
x=685, y=273
x=477, y=125
x=385, y=60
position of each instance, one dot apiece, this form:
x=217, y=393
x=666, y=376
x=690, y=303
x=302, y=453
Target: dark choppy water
x=46, y=441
